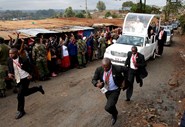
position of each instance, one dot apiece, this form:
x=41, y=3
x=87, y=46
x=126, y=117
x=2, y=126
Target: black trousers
x=112, y=98
x=131, y=75
x=24, y=90
x=160, y=47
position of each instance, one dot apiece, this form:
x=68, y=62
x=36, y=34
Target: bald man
x=109, y=79
x=19, y=70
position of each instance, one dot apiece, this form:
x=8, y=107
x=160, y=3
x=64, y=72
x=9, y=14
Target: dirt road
x=72, y=101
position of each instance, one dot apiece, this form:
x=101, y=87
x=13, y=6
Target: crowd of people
x=53, y=54
x=31, y=59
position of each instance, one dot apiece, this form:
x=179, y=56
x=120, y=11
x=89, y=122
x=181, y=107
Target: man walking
x=161, y=36
x=19, y=70
x=109, y=79
x=136, y=63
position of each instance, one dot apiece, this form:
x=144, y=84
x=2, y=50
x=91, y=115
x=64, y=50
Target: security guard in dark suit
x=19, y=70
x=136, y=68
x=109, y=79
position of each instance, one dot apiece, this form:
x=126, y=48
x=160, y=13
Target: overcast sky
x=63, y=4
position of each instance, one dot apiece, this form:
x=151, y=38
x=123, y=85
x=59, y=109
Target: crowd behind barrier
x=50, y=55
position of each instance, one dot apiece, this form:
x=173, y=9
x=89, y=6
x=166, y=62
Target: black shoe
x=2, y=94
x=141, y=83
x=114, y=119
x=41, y=90
x=79, y=67
x=19, y=115
x=127, y=99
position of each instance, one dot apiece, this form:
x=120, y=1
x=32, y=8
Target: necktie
x=107, y=76
x=16, y=71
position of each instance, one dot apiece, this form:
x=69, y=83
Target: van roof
x=137, y=23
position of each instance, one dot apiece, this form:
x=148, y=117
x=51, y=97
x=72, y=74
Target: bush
x=182, y=22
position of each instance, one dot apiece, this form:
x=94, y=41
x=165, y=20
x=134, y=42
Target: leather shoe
x=127, y=99
x=19, y=115
x=41, y=90
x=114, y=119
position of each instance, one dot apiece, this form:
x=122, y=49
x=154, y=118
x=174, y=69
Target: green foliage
x=89, y=15
x=127, y=4
x=69, y=12
x=108, y=14
x=134, y=8
x=101, y=6
x=80, y=15
x=148, y=9
x=172, y=9
x=182, y=21
x=155, y=10
x=114, y=15
x=23, y=15
x=58, y=15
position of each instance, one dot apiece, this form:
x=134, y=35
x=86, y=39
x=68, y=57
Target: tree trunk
x=144, y=8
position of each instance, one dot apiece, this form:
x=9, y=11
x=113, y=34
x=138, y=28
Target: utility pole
x=86, y=8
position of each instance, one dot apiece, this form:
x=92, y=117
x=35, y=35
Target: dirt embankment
x=54, y=23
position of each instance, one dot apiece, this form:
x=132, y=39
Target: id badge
x=103, y=90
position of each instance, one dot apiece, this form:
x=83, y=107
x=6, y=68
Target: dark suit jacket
x=119, y=74
x=140, y=60
x=163, y=38
x=25, y=65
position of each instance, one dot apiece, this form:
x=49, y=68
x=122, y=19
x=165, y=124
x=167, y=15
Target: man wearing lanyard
x=19, y=70
x=109, y=79
x=136, y=63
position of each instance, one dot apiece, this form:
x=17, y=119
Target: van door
x=148, y=49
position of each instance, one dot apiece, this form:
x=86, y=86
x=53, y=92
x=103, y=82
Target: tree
x=101, y=6
x=172, y=8
x=182, y=21
x=80, y=15
x=127, y=4
x=69, y=12
x=108, y=14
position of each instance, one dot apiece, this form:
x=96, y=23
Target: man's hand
x=11, y=76
x=135, y=64
x=99, y=85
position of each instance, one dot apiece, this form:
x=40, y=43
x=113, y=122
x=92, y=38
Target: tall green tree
x=172, y=8
x=127, y=4
x=101, y=6
x=69, y=12
x=80, y=15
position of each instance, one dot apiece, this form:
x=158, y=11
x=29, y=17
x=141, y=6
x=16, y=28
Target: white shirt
x=65, y=51
x=111, y=84
x=161, y=34
x=132, y=63
x=21, y=73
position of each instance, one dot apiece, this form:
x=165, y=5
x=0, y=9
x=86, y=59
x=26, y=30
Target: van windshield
x=137, y=23
x=130, y=40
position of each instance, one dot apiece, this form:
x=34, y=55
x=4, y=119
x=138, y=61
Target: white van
x=135, y=32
